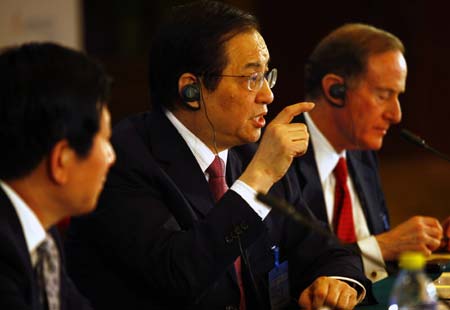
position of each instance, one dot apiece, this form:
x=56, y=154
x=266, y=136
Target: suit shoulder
x=133, y=125
x=245, y=152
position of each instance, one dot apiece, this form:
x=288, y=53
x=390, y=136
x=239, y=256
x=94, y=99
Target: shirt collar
x=32, y=228
x=325, y=155
x=202, y=153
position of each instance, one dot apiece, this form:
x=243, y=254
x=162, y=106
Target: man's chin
x=252, y=137
x=374, y=145
x=255, y=138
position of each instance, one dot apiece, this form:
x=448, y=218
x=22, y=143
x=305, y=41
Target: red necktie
x=218, y=187
x=343, y=225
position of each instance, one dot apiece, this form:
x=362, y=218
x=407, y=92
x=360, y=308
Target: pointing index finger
x=288, y=113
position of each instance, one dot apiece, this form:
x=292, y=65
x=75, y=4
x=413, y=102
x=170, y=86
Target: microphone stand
x=416, y=140
x=292, y=213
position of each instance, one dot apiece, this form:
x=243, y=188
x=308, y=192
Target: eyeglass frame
x=270, y=76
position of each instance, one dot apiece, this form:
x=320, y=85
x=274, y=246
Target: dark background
x=118, y=33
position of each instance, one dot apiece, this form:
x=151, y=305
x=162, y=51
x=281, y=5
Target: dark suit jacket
x=18, y=286
x=363, y=169
x=157, y=240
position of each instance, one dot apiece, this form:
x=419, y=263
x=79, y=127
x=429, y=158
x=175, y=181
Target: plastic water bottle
x=413, y=289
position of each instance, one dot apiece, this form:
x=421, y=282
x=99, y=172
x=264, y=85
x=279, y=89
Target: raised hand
x=281, y=142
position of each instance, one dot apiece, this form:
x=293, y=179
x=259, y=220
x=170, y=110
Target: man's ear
x=189, y=91
x=334, y=89
x=59, y=161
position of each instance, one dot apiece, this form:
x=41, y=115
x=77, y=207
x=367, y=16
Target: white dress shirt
x=32, y=228
x=205, y=157
x=326, y=159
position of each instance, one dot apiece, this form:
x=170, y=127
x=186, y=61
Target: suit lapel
x=234, y=167
x=310, y=181
x=363, y=179
x=175, y=158
x=233, y=171
x=311, y=186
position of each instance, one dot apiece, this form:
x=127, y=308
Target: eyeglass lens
x=255, y=82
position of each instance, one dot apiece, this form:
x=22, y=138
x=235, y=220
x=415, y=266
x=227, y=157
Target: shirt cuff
x=355, y=284
x=249, y=195
x=373, y=271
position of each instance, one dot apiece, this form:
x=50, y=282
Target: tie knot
x=217, y=183
x=217, y=168
x=340, y=171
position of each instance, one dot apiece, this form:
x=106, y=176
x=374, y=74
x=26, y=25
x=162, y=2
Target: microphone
x=414, y=139
x=290, y=211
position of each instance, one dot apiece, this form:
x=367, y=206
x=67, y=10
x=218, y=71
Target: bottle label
x=427, y=306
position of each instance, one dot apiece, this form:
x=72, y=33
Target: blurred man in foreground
x=55, y=129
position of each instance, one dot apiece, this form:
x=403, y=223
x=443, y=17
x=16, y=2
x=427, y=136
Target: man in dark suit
x=355, y=75
x=163, y=236
x=55, y=128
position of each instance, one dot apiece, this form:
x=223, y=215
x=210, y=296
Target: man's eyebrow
x=389, y=89
x=255, y=65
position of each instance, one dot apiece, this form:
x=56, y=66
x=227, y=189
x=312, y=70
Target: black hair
x=192, y=39
x=47, y=93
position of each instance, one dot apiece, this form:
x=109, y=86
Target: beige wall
x=41, y=20
x=418, y=185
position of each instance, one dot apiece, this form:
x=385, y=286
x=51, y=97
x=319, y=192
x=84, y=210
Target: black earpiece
x=190, y=93
x=337, y=91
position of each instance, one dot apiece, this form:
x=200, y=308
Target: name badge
x=279, y=283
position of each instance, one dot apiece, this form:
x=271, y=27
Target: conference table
x=382, y=288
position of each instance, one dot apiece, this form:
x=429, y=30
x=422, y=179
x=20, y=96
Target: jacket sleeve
x=147, y=231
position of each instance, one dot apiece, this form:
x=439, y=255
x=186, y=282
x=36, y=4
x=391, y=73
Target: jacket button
x=238, y=230
x=231, y=308
x=228, y=239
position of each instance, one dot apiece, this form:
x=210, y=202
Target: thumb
x=288, y=113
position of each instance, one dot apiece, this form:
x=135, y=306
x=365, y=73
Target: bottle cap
x=412, y=260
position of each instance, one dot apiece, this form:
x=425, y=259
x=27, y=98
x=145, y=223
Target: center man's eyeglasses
x=256, y=80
